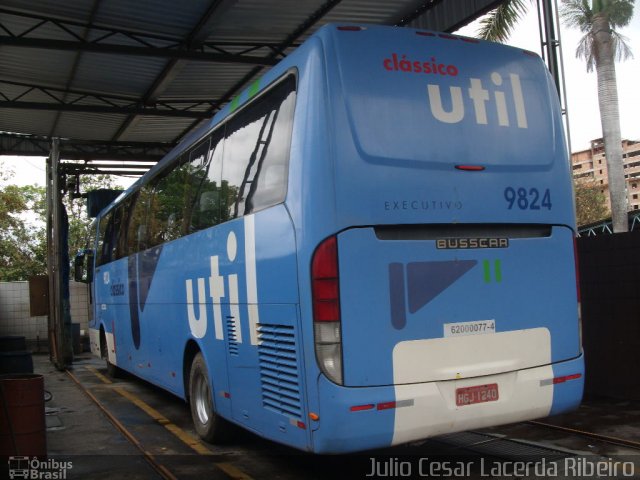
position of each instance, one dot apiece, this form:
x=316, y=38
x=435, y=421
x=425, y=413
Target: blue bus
x=370, y=245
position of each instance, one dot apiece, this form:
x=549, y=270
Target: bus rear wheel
x=210, y=427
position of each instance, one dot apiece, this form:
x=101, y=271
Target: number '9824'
x=527, y=198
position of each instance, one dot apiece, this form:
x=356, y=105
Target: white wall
x=15, y=318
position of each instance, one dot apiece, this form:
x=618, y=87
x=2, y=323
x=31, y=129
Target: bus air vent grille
x=279, y=370
x=231, y=336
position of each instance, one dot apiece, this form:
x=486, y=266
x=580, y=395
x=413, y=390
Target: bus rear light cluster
x=325, y=288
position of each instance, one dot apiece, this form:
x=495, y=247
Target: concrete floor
x=163, y=443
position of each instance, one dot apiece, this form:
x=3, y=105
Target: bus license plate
x=477, y=394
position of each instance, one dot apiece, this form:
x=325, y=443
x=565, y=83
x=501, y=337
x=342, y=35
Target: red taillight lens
x=566, y=378
x=325, y=260
x=325, y=290
x=324, y=278
x=326, y=311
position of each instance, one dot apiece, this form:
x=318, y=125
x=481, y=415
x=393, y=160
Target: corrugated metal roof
x=117, y=75
x=117, y=71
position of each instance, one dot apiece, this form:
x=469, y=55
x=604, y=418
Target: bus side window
x=196, y=170
x=115, y=233
x=165, y=219
x=256, y=151
x=91, y=240
x=270, y=186
x=104, y=239
x=136, y=233
x=206, y=184
x=123, y=229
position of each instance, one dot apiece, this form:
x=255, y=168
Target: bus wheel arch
x=208, y=424
x=112, y=370
x=191, y=349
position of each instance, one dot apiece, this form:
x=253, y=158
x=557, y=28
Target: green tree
x=591, y=204
x=23, y=244
x=600, y=47
x=22, y=239
x=79, y=221
x=498, y=24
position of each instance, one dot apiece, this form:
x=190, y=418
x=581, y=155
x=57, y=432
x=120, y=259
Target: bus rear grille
x=279, y=370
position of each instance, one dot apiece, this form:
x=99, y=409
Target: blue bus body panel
x=568, y=395
x=396, y=137
x=248, y=375
x=409, y=290
x=396, y=153
x=375, y=144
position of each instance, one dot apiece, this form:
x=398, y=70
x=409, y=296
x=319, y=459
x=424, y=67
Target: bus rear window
x=467, y=103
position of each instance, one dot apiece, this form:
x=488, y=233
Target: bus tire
x=210, y=427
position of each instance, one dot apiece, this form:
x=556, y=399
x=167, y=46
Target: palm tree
x=600, y=47
x=498, y=24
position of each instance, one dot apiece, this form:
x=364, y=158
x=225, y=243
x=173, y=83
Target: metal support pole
x=551, y=43
x=59, y=335
x=51, y=256
x=552, y=54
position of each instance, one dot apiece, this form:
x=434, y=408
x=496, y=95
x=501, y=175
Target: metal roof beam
x=81, y=168
x=288, y=42
x=93, y=171
x=149, y=51
x=113, y=110
x=76, y=62
x=195, y=39
x=113, y=165
x=31, y=145
x=57, y=94
x=110, y=155
x=71, y=26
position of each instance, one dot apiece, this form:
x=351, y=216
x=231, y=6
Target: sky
x=582, y=91
x=582, y=96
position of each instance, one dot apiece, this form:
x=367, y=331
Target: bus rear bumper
x=355, y=419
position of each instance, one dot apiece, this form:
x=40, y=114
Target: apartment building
x=591, y=165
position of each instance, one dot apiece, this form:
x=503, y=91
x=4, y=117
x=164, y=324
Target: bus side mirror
x=83, y=266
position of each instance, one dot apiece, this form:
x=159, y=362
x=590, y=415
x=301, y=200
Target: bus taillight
x=326, y=308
